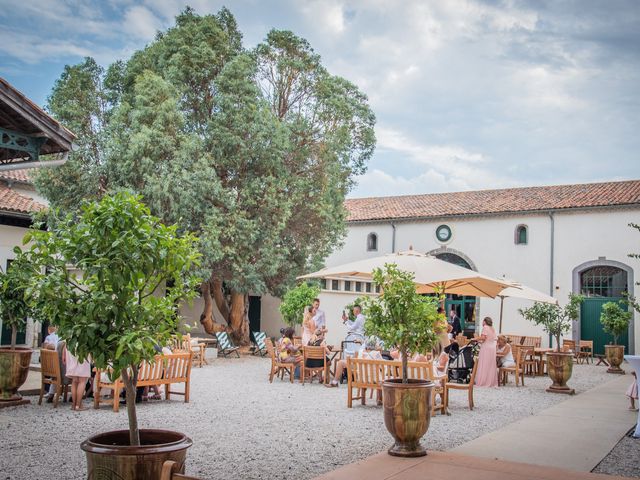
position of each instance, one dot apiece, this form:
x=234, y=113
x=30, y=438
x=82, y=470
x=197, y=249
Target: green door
x=591, y=328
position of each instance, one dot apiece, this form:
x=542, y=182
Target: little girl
x=632, y=392
x=79, y=374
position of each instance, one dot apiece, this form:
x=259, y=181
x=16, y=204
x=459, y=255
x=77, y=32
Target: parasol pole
x=501, y=305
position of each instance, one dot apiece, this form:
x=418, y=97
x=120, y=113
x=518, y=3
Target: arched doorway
x=463, y=305
x=600, y=282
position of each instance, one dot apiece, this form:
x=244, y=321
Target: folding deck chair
x=259, y=342
x=225, y=345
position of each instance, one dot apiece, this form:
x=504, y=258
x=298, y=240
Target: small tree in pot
x=132, y=272
x=615, y=321
x=556, y=321
x=402, y=318
x=14, y=310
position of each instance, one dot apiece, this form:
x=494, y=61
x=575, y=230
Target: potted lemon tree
x=556, y=321
x=114, y=277
x=402, y=318
x=615, y=321
x=14, y=310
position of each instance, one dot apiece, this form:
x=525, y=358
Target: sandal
x=156, y=397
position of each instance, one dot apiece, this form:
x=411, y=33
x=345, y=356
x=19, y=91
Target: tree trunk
x=405, y=366
x=218, y=296
x=14, y=337
x=206, y=319
x=130, y=384
x=239, y=318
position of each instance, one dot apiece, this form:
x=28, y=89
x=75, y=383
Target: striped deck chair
x=225, y=345
x=260, y=346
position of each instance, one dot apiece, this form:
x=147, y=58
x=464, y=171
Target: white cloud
x=325, y=14
x=141, y=22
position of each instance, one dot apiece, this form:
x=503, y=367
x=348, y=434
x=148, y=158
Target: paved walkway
x=565, y=441
x=447, y=466
x=575, y=434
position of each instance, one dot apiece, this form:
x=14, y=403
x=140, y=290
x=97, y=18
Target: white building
x=557, y=239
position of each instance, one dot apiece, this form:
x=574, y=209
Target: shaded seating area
x=225, y=345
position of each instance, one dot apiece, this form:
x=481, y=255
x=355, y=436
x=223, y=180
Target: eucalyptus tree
x=252, y=150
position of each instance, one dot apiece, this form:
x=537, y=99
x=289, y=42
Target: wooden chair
x=569, y=346
x=278, y=367
x=51, y=374
x=297, y=341
x=313, y=353
x=225, y=345
x=520, y=355
x=171, y=471
x=585, y=351
x=184, y=344
x=462, y=386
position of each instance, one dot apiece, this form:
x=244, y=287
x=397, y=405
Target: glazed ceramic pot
x=110, y=457
x=14, y=368
x=615, y=355
x=560, y=367
x=407, y=413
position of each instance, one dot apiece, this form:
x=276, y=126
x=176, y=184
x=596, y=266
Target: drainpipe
x=393, y=238
x=551, y=254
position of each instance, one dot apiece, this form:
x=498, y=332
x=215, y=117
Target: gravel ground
x=244, y=427
x=623, y=460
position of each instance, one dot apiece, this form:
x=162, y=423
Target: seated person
x=440, y=363
x=341, y=365
x=504, y=353
x=52, y=339
x=287, y=351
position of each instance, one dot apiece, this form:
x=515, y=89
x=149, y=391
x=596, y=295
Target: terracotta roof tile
x=12, y=201
x=22, y=176
x=484, y=202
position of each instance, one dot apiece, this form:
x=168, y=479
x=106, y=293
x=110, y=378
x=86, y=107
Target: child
x=79, y=374
x=632, y=392
x=51, y=340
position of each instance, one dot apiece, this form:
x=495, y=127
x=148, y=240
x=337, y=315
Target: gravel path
x=244, y=427
x=623, y=460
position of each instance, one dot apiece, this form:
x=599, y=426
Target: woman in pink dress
x=79, y=373
x=308, y=325
x=487, y=372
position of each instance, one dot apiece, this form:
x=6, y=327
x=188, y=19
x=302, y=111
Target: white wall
x=488, y=242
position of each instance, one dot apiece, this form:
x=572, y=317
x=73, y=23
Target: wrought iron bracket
x=21, y=142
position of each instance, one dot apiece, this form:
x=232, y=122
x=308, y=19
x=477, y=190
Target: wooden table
x=539, y=353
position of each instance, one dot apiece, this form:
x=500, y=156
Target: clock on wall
x=443, y=233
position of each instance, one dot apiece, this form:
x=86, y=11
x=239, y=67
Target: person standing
x=355, y=326
x=319, y=318
x=454, y=321
x=79, y=374
x=487, y=372
x=308, y=325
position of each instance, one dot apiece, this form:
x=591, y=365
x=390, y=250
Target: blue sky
x=469, y=94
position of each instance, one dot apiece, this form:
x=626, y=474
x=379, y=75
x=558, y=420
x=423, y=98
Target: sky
x=468, y=94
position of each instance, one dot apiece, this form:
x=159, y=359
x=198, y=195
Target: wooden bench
x=170, y=471
x=365, y=374
x=164, y=370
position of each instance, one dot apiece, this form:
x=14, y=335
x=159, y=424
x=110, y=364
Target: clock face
x=443, y=232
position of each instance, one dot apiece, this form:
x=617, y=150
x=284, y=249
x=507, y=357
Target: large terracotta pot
x=407, y=413
x=14, y=368
x=615, y=355
x=560, y=367
x=110, y=457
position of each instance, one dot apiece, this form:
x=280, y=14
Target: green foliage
x=252, y=151
x=14, y=298
x=399, y=316
x=614, y=320
x=555, y=320
x=106, y=272
x=294, y=301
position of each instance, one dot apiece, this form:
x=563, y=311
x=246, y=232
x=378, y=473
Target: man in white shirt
x=50, y=343
x=357, y=325
x=319, y=319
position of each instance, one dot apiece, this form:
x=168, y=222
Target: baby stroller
x=461, y=363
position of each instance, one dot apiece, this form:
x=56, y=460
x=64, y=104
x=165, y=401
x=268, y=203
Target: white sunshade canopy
x=430, y=274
